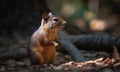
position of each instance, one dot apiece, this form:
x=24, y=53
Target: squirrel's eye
x=55, y=19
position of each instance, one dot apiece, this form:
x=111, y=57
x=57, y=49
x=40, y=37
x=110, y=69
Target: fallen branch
x=16, y=53
x=95, y=42
x=72, y=44
x=76, y=54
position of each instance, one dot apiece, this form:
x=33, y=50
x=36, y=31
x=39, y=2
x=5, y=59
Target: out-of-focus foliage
x=20, y=18
x=89, y=16
x=68, y=8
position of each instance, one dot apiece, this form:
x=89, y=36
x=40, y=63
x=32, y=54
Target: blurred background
x=20, y=18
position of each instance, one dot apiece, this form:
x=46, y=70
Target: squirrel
x=41, y=46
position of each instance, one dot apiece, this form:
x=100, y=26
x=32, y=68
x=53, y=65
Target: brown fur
x=41, y=49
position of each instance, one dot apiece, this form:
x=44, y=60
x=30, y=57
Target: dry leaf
x=116, y=55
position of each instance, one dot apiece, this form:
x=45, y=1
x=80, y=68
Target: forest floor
x=96, y=61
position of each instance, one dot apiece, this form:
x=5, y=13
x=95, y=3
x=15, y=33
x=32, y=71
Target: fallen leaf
x=116, y=55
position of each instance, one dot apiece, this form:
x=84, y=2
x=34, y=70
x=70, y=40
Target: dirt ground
x=95, y=62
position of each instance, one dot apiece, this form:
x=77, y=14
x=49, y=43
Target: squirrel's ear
x=50, y=14
x=44, y=18
x=45, y=15
x=43, y=22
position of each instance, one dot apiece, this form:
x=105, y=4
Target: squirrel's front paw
x=56, y=44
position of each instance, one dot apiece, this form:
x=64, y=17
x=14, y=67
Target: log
x=15, y=53
x=71, y=49
x=72, y=44
x=95, y=42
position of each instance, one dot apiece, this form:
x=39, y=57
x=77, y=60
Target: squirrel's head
x=52, y=21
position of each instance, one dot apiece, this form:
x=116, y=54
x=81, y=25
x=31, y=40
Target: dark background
x=20, y=18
